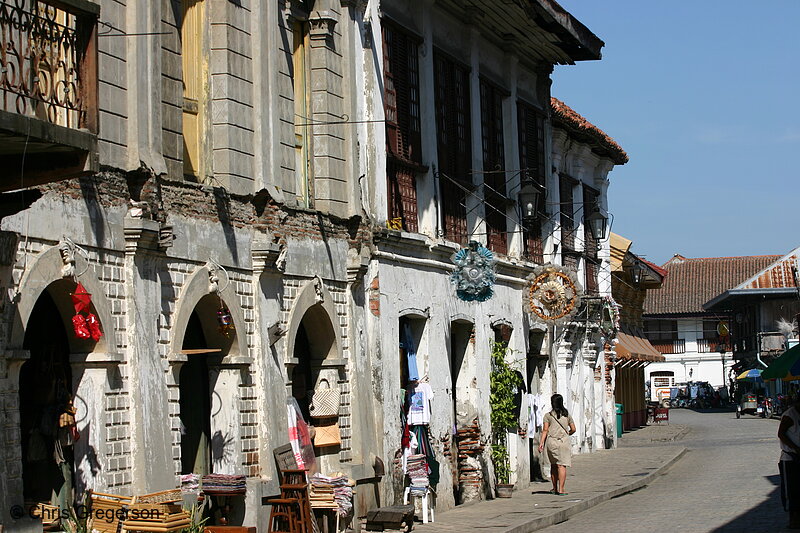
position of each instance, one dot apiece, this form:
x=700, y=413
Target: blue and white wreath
x=474, y=276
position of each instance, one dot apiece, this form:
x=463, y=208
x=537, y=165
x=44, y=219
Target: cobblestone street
x=704, y=472
x=726, y=481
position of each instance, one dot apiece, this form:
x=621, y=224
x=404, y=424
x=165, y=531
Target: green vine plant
x=504, y=382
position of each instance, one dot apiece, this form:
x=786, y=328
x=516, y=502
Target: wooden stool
x=295, y=486
x=284, y=516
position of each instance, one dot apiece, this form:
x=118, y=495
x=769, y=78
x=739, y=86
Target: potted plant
x=504, y=381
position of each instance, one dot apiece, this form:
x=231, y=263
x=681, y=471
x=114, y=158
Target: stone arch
x=45, y=274
x=416, y=313
x=197, y=289
x=314, y=304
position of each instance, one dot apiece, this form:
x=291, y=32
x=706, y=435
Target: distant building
x=690, y=336
x=631, y=279
x=764, y=312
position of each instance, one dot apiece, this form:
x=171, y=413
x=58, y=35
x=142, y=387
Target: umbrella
x=752, y=374
x=785, y=367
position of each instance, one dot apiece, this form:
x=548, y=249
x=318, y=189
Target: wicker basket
x=165, y=496
x=106, y=505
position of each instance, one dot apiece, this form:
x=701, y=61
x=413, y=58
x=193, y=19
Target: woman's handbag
x=327, y=433
x=325, y=401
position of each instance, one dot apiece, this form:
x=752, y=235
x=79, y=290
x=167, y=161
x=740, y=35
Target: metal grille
x=453, y=129
x=42, y=70
x=493, y=166
x=402, y=185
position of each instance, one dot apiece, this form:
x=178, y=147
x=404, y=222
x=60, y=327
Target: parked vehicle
x=754, y=405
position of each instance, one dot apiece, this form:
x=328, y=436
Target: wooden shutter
x=194, y=82
x=591, y=285
x=532, y=162
x=589, y=204
x=565, y=185
x=453, y=130
x=493, y=167
x=403, y=141
x=401, y=92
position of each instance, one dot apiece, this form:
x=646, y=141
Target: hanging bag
x=327, y=433
x=325, y=401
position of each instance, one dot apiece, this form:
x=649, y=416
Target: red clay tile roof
x=661, y=271
x=691, y=282
x=566, y=117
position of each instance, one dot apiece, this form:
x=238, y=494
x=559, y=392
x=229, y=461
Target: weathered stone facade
x=280, y=221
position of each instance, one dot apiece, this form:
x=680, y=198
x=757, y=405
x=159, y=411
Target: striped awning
x=634, y=346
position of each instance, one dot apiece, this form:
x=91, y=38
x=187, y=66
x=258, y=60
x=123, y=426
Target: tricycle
x=754, y=405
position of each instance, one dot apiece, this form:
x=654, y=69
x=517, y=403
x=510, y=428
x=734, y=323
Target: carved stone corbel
x=321, y=25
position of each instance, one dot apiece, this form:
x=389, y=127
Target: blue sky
x=704, y=95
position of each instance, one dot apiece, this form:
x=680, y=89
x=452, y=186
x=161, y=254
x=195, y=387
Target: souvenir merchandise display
x=223, y=484
x=334, y=492
x=85, y=324
x=474, y=275
x=553, y=295
x=300, y=437
x=420, y=396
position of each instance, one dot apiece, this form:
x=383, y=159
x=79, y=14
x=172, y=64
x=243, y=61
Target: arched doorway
x=46, y=395
x=316, y=364
x=206, y=341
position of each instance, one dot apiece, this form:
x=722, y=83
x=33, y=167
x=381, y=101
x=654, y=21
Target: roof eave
x=715, y=304
x=578, y=41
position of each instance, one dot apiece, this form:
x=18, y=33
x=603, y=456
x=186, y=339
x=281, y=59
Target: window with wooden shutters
x=195, y=81
x=591, y=286
x=494, y=166
x=453, y=131
x=401, y=107
x=591, y=246
x=565, y=186
x=532, y=162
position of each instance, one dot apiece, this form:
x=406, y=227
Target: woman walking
x=556, y=429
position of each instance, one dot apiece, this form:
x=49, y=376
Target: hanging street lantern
x=598, y=224
x=637, y=272
x=528, y=198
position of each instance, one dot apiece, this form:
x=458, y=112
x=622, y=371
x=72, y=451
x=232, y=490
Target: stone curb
x=564, y=514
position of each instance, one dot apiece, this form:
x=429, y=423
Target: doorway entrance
x=45, y=392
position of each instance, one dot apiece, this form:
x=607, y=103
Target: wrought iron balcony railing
x=48, y=61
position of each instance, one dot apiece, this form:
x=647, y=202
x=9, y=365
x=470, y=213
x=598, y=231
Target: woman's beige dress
x=557, y=444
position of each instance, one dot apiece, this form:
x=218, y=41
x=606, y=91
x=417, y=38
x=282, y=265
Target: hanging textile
x=425, y=448
x=411, y=353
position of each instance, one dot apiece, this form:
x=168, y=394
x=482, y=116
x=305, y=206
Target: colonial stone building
x=257, y=196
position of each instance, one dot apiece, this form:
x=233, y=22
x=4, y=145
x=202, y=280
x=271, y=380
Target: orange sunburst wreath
x=553, y=295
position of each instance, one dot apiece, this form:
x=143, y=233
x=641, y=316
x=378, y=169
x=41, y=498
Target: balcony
x=670, y=347
x=48, y=90
x=711, y=346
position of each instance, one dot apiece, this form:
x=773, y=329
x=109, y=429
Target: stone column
x=151, y=449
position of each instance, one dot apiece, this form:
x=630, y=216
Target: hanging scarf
x=424, y=447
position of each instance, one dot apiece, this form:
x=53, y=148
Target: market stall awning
x=634, y=346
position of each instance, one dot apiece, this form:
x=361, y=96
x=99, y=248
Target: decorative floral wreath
x=610, y=327
x=474, y=275
x=553, y=295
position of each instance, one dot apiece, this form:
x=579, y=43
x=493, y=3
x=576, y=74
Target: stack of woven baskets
x=159, y=512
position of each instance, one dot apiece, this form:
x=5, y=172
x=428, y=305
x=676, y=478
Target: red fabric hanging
x=81, y=299
x=94, y=326
x=79, y=325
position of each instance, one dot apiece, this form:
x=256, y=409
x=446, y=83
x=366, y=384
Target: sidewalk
x=642, y=455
